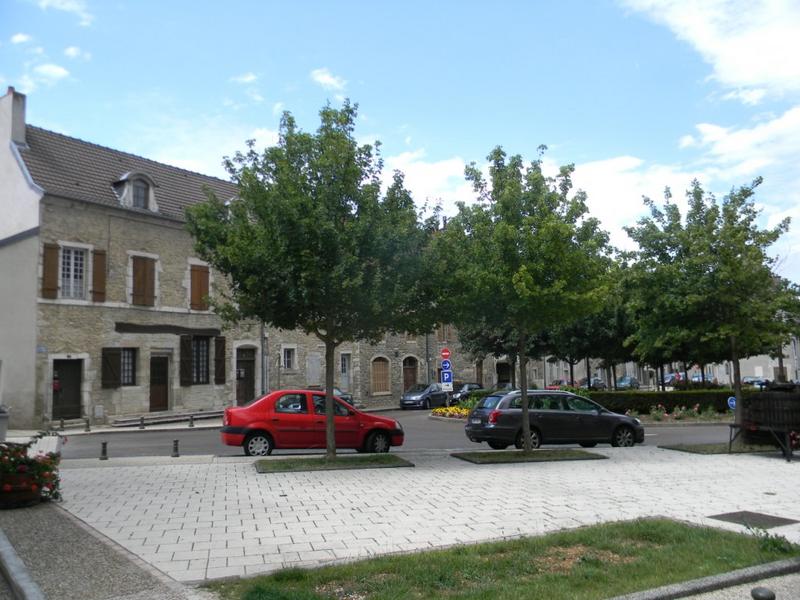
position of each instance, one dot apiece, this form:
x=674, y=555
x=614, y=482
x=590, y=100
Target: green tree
x=525, y=257
x=311, y=243
x=705, y=289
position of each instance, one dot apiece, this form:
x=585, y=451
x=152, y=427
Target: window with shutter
x=111, y=367
x=99, y=276
x=144, y=281
x=199, y=288
x=186, y=360
x=380, y=376
x=50, y=271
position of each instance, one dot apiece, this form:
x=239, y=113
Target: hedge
x=641, y=402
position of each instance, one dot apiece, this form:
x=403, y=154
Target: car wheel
x=497, y=445
x=377, y=442
x=258, y=444
x=536, y=440
x=427, y=403
x=588, y=444
x=623, y=437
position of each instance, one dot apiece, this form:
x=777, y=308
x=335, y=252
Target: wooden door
x=159, y=383
x=410, y=366
x=245, y=375
x=67, y=375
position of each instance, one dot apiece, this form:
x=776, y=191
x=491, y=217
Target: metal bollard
x=762, y=593
x=141, y=422
x=175, y=453
x=87, y=427
x=61, y=425
x=191, y=420
x=103, y=450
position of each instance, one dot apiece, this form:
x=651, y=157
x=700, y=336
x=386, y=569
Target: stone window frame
x=187, y=283
x=156, y=279
x=88, y=265
x=292, y=348
x=125, y=188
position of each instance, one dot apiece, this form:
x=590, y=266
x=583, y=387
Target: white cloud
x=748, y=43
x=26, y=84
x=50, y=73
x=254, y=96
x=328, y=80
x=75, y=52
x=433, y=182
x=277, y=108
x=244, y=78
x=750, y=97
x=76, y=7
x=20, y=38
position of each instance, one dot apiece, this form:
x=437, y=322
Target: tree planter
x=18, y=490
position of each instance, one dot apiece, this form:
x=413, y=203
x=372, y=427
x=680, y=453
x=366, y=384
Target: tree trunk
x=571, y=373
x=781, y=378
x=614, y=375
x=330, y=423
x=523, y=382
x=660, y=383
x=588, y=373
x=737, y=381
x=703, y=374
x=513, y=372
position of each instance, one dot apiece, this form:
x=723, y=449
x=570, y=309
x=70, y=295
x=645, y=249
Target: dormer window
x=141, y=191
x=136, y=190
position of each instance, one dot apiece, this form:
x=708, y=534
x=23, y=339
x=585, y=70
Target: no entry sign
x=445, y=353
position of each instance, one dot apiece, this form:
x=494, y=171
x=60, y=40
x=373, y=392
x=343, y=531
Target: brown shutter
x=219, y=360
x=186, y=360
x=150, y=282
x=199, y=287
x=99, y=276
x=50, y=271
x=112, y=367
x=138, y=280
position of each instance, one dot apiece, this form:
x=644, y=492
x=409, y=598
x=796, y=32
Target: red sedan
x=296, y=419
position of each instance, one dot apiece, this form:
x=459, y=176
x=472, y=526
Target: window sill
x=381, y=394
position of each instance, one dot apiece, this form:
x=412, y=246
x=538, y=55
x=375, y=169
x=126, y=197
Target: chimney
x=12, y=112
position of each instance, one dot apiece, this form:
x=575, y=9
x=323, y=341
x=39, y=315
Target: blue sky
x=639, y=94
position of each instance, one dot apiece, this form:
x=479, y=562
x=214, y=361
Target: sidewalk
x=198, y=518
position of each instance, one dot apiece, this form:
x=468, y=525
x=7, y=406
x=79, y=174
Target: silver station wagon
x=555, y=417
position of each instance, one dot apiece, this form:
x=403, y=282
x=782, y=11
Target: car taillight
x=493, y=416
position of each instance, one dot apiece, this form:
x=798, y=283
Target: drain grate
x=753, y=519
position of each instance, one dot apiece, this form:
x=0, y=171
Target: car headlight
x=398, y=425
x=637, y=420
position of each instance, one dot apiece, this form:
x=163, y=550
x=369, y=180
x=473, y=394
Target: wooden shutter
x=199, y=288
x=111, y=367
x=219, y=360
x=380, y=375
x=99, y=276
x=144, y=281
x=50, y=271
x=186, y=360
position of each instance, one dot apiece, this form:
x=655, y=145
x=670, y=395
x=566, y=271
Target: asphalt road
x=422, y=433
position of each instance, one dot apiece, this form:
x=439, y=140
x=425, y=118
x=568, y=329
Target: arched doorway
x=503, y=373
x=410, y=371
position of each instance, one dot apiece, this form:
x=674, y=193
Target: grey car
x=422, y=395
x=555, y=418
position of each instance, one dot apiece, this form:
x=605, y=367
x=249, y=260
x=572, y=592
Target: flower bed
x=26, y=479
x=452, y=412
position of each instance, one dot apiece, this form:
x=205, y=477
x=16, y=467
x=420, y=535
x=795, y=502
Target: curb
x=645, y=425
x=716, y=582
x=23, y=587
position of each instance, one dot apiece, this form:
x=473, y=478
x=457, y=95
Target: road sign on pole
x=447, y=381
x=446, y=366
x=445, y=353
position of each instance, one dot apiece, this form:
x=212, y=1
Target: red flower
x=22, y=468
x=34, y=487
x=7, y=487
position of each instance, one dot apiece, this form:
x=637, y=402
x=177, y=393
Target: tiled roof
x=71, y=168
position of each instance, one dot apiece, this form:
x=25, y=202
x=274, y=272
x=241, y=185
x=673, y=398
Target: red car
x=296, y=419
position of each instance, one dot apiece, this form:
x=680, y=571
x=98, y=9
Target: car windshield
x=419, y=387
x=489, y=402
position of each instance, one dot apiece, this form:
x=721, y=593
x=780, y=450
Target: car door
x=549, y=417
x=346, y=424
x=290, y=420
x=585, y=421
x=437, y=395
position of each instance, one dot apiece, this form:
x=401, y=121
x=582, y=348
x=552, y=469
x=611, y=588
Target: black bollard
x=103, y=450
x=61, y=425
x=141, y=422
x=191, y=420
x=175, y=453
x=87, y=427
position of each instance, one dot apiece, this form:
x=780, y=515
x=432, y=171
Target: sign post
x=447, y=372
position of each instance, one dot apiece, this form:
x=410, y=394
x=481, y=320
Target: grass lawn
x=720, y=448
x=581, y=564
x=320, y=463
x=518, y=456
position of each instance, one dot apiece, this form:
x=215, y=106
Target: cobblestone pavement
x=197, y=518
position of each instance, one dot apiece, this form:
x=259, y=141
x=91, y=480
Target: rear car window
x=489, y=402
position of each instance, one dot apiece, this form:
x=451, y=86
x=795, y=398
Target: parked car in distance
x=461, y=391
x=421, y=395
x=673, y=378
x=556, y=417
x=557, y=384
x=596, y=384
x=346, y=396
x=755, y=381
x=296, y=419
x=627, y=383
